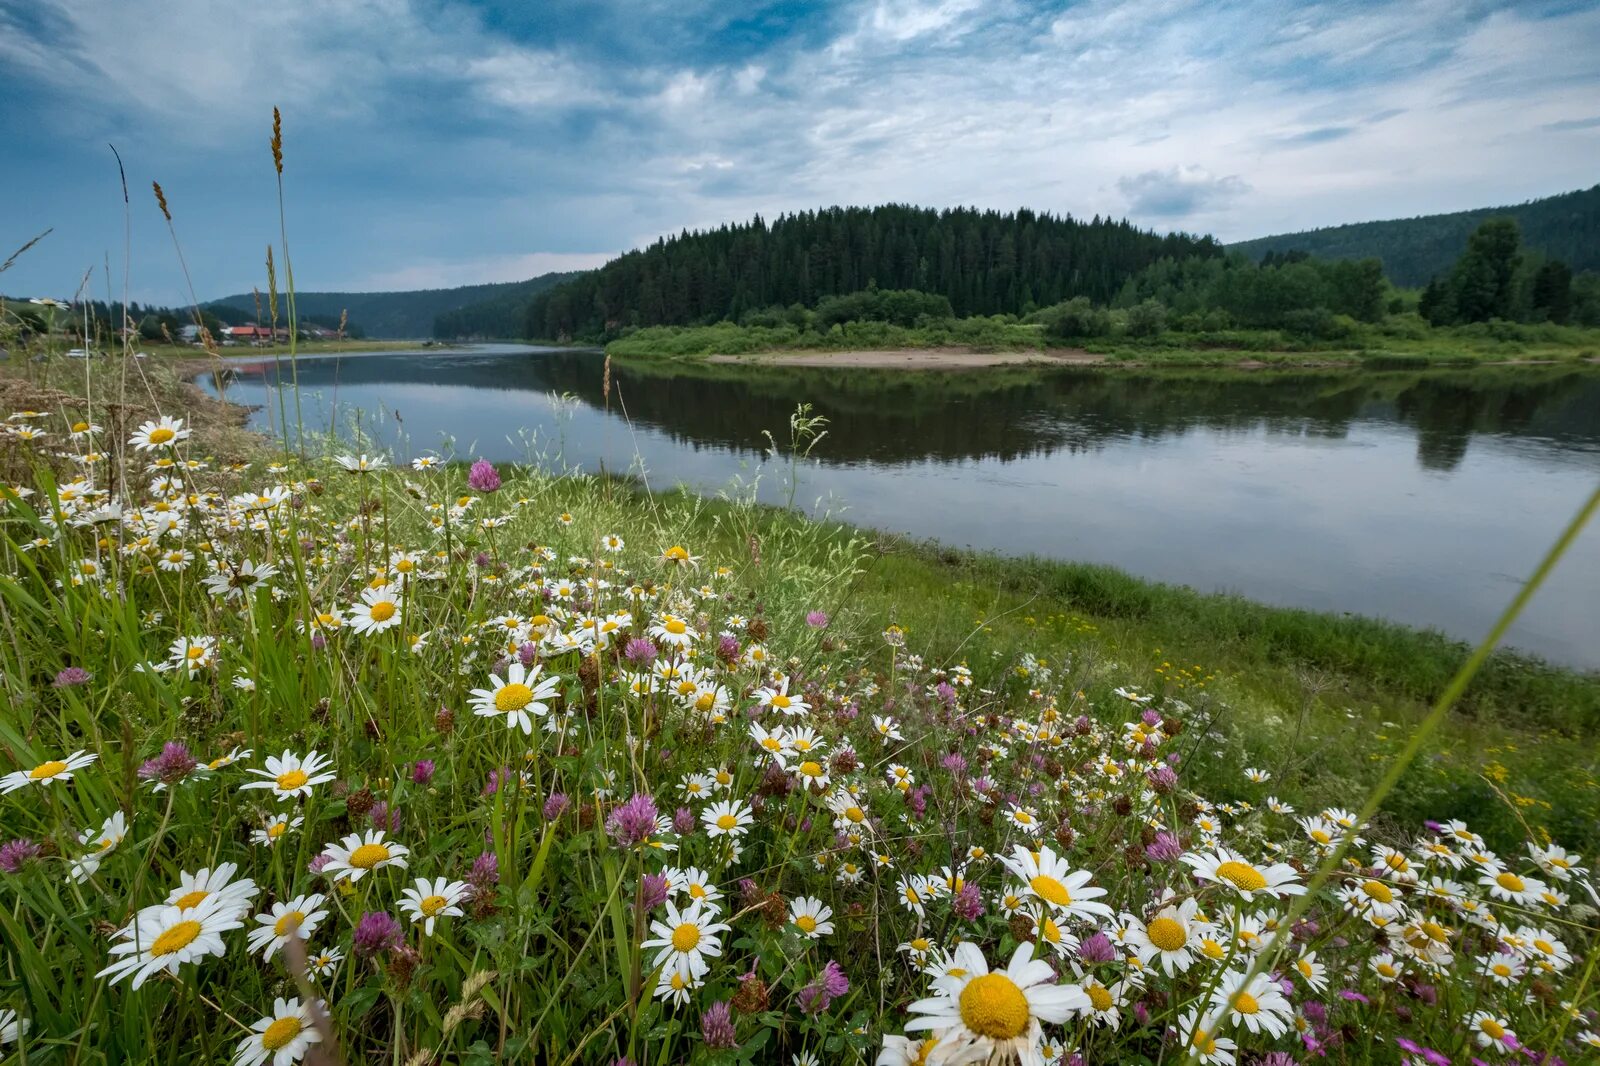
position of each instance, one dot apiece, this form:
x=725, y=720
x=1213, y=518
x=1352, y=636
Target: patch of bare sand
x=915, y=358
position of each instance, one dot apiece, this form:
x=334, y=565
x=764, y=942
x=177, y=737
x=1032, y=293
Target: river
x=1424, y=497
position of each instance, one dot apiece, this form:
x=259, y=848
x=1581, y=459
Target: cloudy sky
x=444, y=142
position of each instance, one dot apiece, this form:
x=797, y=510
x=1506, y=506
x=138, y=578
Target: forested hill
x=404, y=315
x=985, y=262
x=1565, y=227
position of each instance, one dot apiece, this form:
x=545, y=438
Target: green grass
x=1002, y=659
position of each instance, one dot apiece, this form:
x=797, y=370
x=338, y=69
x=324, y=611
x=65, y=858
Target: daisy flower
x=12, y=1028
x=323, y=963
x=111, y=833
x=1312, y=972
x=355, y=855
x=520, y=694
x=886, y=728
x=361, y=464
x=428, y=901
x=284, y=1036
x=193, y=889
x=696, y=884
x=1513, y=888
x=162, y=433
x=1024, y=819
x=46, y=772
x=727, y=818
x=161, y=939
x=1204, y=1043
x=810, y=916
x=299, y=917
x=1491, y=1031
x=914, y=894
x=194, y=654
x=777, y=697
x=1167, y=938
x=686, y=939
x=1227, y=867
x=1065, y=891
x=274, y=829
x=378, y=610
x=1257, y=1003
x=982, y=1016
x=674, y=987
x=674, y=632
x=289, y=775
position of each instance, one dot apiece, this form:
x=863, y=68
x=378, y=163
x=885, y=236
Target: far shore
x=970, y=359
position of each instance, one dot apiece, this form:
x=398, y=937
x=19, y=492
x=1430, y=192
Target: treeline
x=980, y=262
x=1564, y=227
x=155, y=322
x=1496, y=278
x=503, y=315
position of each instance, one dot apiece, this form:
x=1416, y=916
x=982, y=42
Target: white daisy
x=289, y=775
x=1227, y=867
x=298, y=917
x=428, y=901
x=354, y=856
x=284, y=1036
x=46, y=772
x=520, y=694
x=810, y=916
x=686, y=939
x=164, y=938
x=984, y=1016
x=218, y=883
x=1049, y=878
x=162, y=433
x=378, y=610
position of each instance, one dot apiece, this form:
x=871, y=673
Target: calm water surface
x=1423, y=497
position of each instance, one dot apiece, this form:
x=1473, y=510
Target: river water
x=1424, y=497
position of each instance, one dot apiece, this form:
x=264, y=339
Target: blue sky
x=442, y=142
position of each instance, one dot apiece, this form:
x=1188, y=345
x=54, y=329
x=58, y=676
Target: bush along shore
x=323, y=759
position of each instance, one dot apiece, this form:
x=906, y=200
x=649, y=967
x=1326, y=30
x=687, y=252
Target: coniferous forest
x=983, y=262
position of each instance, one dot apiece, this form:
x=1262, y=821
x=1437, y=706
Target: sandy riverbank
x=916, y=358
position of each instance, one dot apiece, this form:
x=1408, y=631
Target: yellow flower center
x=697, y=891
x=432, y=905
x=191, y=899
x=806, y=923
x=726, y=822
x=705, y=702
x=1242, y=876
x=1100, y=996
x=1545, y=946
x=1168, y=934
x=46, y=770
x=512, y=697
x=1304, y=967
x=276, y=830
x=280, y=1032
x=1435, y=931
x=1245, y=1003
x=675, y=627
x=686, y=937
x=1492, y=1028
x=1510, y=882
x=1051, y=891
x=382, y=611
x=288, y=923
x=196, y=652
x=855, y=814
x=993, y=1006
x=1501, y=969
x=368, y=855
x=811, y=769
x=1387, y=969
x=1378, y=891
x=1322, y=836
x=80, y=427
x=772, y=744
x=177, y=938
x=160, y=435
x=1212, y=948
x=291, y=779
x=780, y=701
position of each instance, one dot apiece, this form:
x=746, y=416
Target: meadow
x=309, y=756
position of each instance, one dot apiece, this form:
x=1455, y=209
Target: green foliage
x=902, y=307
x=982, y=262
x=1564, y=227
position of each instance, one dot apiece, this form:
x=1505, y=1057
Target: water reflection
x=1419, y=496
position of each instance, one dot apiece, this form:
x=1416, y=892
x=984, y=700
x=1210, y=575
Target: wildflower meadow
x=338, y=760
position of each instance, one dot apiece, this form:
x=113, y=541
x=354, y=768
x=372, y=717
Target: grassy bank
x=1396, y=343
x=427, y=765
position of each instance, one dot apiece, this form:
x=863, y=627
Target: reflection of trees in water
x=893, y=417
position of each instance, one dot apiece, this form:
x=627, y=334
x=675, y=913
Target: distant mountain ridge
x=406, y=315
x=1564, y=227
